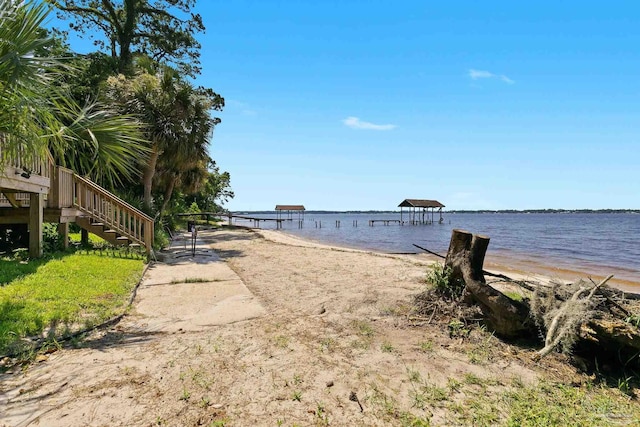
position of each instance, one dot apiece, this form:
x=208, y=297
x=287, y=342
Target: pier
x=419, y=210
x=288, y=210
x=256, y=220
x=385, y=221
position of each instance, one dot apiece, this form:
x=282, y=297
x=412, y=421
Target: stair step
x=110, y=231
x=97, y=224
x=122, y=238
x=134, y=245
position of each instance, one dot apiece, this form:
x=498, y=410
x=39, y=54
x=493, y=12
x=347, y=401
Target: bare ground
x=319, y=336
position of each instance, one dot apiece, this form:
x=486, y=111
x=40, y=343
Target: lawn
x=93, y=239
x=66, y=292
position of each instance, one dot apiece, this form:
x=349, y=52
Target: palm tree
x=37, y=112
x=177, y=122
x=25, y=91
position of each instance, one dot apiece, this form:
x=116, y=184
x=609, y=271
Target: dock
x=385, y=221
x=256, y=221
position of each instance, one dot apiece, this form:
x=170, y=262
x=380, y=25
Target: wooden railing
x=112, y=211
x=22, y=198
x=31, y=164
x=68, y=190
x=61, y=190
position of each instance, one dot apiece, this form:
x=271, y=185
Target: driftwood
x=598, y=314
x=565, y=319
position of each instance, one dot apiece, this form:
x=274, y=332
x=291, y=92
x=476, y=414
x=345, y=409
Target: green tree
x=164, y=30
x=177, y=121
x=215, y=191
x=37, y=112
x=27, y=96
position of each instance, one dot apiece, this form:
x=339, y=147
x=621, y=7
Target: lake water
x=589, y=243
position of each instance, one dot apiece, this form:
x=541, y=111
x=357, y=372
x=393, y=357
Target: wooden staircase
x=110, y=217
x=68, y=197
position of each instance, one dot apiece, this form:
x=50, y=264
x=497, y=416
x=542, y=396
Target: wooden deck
x=38, y=191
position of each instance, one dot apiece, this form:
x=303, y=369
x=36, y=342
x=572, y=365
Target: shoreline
x=568, y=246
x=503, y=262
x=262, y=328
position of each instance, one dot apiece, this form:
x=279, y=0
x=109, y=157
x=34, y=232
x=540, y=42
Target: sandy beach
x=266, y=329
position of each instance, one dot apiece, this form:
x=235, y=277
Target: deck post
x=63, y=232
x=148, y=236
x=36, y=202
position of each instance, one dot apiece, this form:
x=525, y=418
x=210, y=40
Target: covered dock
x=418, y=210
x=289, y=211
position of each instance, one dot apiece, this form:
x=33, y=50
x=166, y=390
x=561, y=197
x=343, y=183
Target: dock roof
x=420, y=203
x=290, y=207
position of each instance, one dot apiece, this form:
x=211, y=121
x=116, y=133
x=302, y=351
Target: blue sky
x=342, y=105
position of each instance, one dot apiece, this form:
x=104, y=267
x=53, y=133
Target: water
x=591, y=243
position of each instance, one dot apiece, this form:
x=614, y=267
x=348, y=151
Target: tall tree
x=177, y=120
x=214, y=192
x=162, y=29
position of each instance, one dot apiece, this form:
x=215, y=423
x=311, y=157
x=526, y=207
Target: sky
x=357, y=105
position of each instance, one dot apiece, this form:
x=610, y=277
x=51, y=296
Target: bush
x=51, y=240
x=440, y=278
x=160, y=238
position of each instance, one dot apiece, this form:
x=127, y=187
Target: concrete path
x=91, y=385
x=191, y=291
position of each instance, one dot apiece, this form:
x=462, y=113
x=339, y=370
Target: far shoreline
x=460, y=211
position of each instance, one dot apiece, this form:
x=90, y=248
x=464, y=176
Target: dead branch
x=562, y=324
x=485, y=272
x=428, y=251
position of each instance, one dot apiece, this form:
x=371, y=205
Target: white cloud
x=356, y=123
x=482, y=74
x=506, y=79
x=479, y=74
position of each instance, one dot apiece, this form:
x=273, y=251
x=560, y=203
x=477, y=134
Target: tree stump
x=465, y=259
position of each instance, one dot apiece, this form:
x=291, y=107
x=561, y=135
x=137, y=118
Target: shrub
x=160, y=238
x=440, y=278
x=51, y=240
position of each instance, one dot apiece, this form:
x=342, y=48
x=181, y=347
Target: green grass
x=557, y=404
x=471, y=400
x=516, y=296
x=93, y=239
x=541, y=404
x=62, y=292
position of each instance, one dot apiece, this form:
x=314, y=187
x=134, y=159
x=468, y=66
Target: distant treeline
x=483, y=211
x=559, y=211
